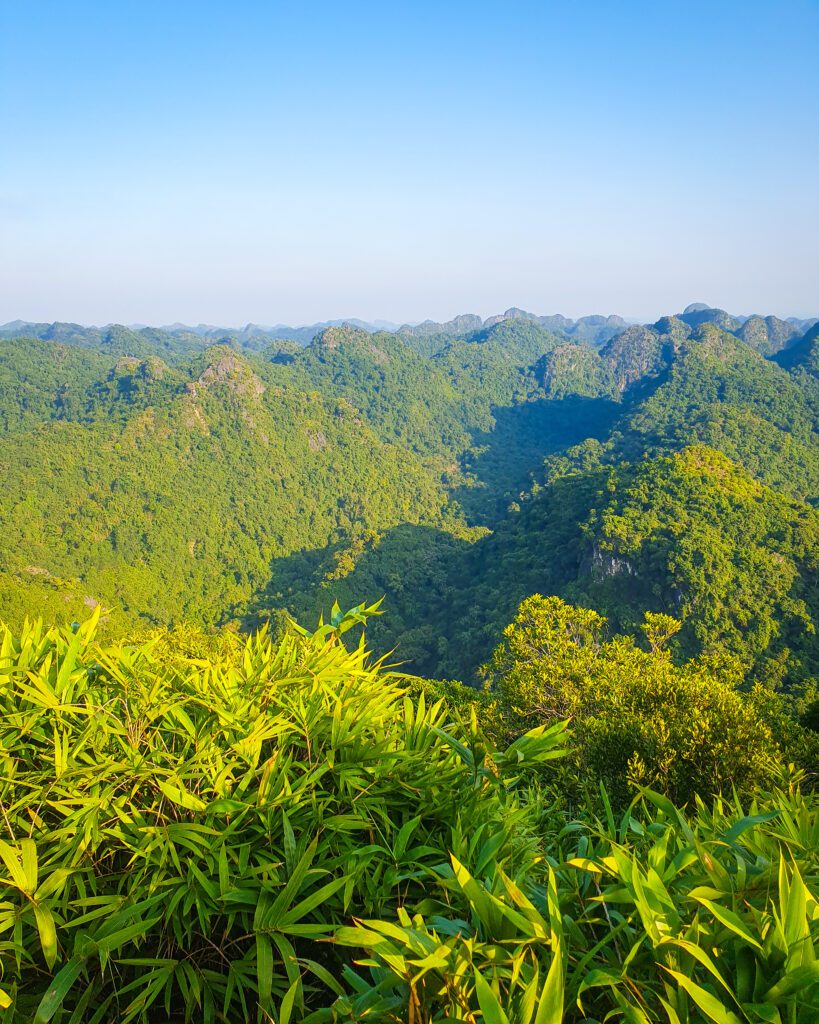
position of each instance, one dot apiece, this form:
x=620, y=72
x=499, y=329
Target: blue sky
x=270, y=162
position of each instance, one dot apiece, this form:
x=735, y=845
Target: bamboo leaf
x=48, y=933
x=493, y=1012
x=58, y=989
x=713, y=1009
x=550, y=1006
x=794, y=981
x=264, y=969
x=731, y=921
x=180, y=796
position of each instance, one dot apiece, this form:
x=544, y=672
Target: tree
x=639, y=718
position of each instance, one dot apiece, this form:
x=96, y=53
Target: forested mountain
x=455, y=468
x=168, y=491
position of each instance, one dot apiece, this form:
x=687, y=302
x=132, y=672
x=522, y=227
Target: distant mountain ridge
x=628, y=350
x=596, y=329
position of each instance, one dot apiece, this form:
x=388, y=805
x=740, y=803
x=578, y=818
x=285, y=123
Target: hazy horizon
x=391, y=324
x=268, y=164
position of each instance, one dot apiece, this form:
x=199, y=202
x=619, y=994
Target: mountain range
x=761, y=331
x=230, y=479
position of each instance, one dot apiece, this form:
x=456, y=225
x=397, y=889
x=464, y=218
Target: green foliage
x=59, y=600
x=40, y=382
x=169, y=494
x=210, y=828
x=575, y=370
x=695, y=535
x=723, y=394
x=198, y=825
x=658, y=918
x=803, y=355
x=638, y=718
x=793, y=719
x=691, y=535
x=186, y=820
x=432, y=404
x=203, y=485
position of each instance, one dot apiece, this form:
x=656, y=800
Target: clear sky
x=291, y=162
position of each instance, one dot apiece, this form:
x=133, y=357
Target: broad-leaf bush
x=639, y=718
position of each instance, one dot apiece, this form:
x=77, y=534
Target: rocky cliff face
x=634, y=353
x=605, y=564
x=229, y=369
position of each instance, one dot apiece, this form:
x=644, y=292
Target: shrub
x=639, y=719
